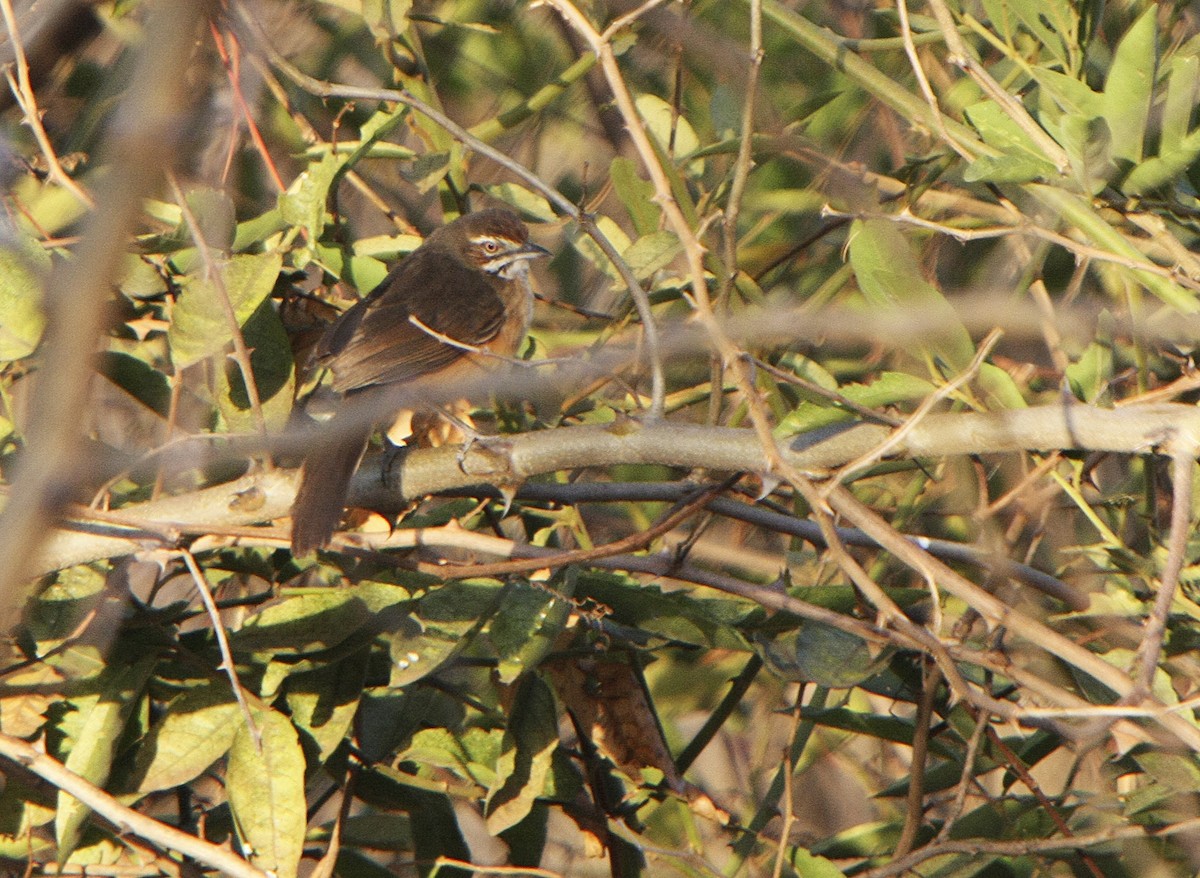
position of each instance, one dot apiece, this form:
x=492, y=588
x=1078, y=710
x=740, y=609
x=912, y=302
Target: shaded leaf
x=272, y=368
x=323, y=702
x=888, y=389
x=524, y=201
x=525, y=627
x=302, y=623
x=472, y=754
x=678, y=616
x=529, y=743
x=652, y=252
x=889, y=277
x=820, y=654
x=636, y=194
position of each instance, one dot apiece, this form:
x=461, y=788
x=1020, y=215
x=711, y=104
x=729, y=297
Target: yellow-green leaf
x=266, y=793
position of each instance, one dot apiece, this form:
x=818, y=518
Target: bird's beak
x=534, y=251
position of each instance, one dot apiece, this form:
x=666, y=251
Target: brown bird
x=438, y=317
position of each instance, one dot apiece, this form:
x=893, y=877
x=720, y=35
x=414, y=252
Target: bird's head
x=493, y=240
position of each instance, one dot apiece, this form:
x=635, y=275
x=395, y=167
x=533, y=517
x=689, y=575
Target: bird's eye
x=490, y=247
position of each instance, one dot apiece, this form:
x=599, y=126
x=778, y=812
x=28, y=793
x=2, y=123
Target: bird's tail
x=324, y=487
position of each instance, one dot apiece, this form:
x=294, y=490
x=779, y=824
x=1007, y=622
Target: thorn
x=769, y=483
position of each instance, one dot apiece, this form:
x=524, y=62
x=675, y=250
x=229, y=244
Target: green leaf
x=301, y=624
x=666, y=126
x=1020, y=161
x=1069, y=95
x=139, y=379
x=1183, y=87
x=809, y=865
x=139, y=278
x=888, y=389
x=428, y=170
x=1054, y=23
x=363, y=272
x=821, y=654
x=636, y=194
x=1130, y=85
x=1088, y=144
x=1008, y=169
x=56, y=612
x=529, y=744
x=272, y=368
x=679, y=616
x=197, y=729
x=525, y=627
x=652, y=252
x=1001, y=390
x=323, y=702
x=1164, y=169
x=1091, y=375
x=304, y=202
x=889, y=277
x=199, y=326
x=23, y=270
x=472, y=755
x=591, y=250
x=525, y=201
x=442, y=624
x=215, y=218
x=266, y=793
x=417, y=649
x=1079, y=213
x=92, y=728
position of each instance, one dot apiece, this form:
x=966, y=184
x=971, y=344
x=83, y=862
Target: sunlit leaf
x=200, y=325
x=23, y=270
x=1129, y=86
x=197, y=729
x=266, y=793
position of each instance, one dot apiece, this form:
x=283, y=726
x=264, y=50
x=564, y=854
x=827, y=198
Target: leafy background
x=956, y=241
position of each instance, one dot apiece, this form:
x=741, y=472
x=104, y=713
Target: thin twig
x=631, y=543
x=737, y=190
x=966, y=779
x=227, y=664
x=996, y=612
x=896, y=439
x=789, y=803
x=693, y=250
x=123, y=817
x=960, y=56
x=914, y=803
x=1030, y=847
x=231, y=59
x=914, y=60
x=22, y=89
x=241, y=353
x=1183, y=469
x=1050, y=808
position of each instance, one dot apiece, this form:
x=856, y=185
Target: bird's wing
x=376, y=343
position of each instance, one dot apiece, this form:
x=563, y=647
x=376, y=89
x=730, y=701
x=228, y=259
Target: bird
x=457, y=305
